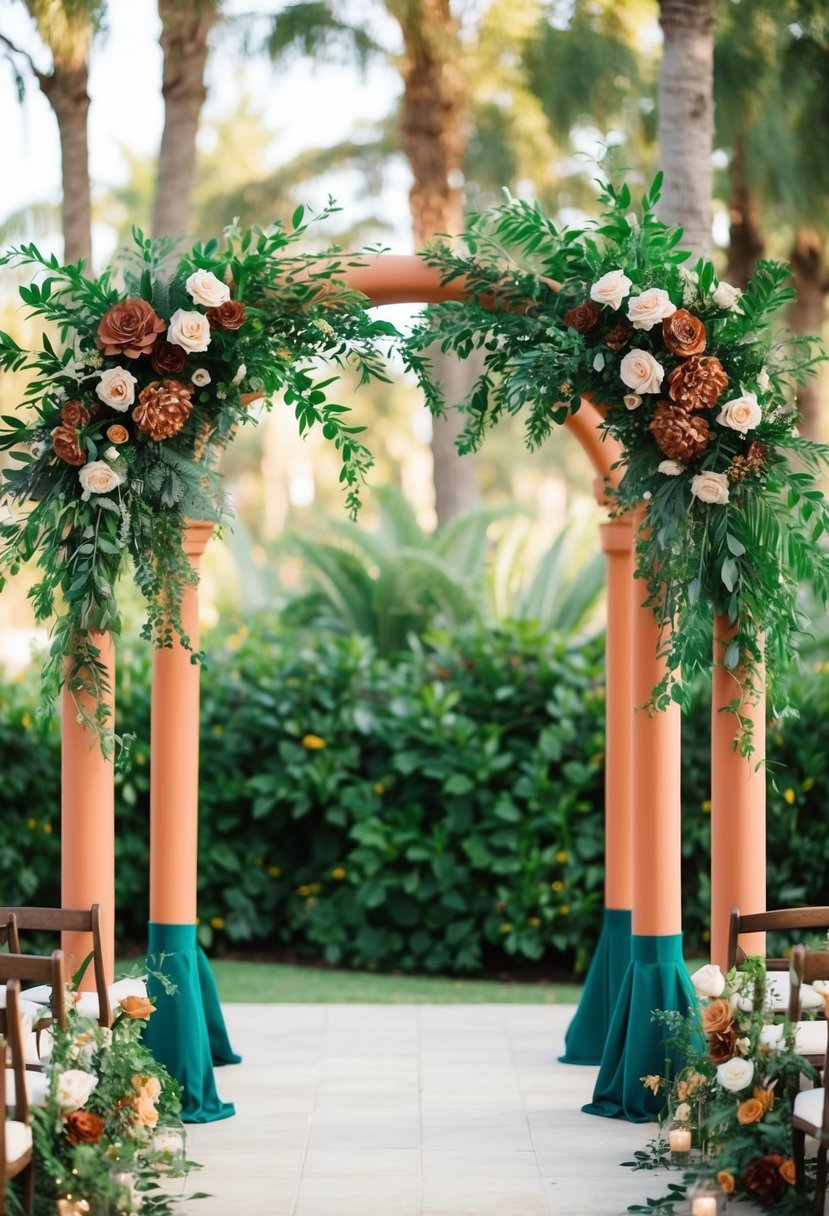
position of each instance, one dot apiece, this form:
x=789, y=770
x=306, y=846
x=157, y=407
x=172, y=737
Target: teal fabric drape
x=587, y=1033
x=656, y=979
x=187, y=1032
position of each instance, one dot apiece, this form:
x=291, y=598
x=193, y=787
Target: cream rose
x=671, y=468
x=725, y=295
x=741, y=413
x=735, y=1074
x=111, y=454
x=611, y=288
x=200, y=377
x=710, y=487
x=632, y=401
x=708, y=981
x=116, y=388
x=98, y=477
x=650, y=308
x=206, y=289
x=189, y=330
x=682, y=1114
x=641, y=372
x=73, y=1089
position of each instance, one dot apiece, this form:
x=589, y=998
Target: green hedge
x=438, y=813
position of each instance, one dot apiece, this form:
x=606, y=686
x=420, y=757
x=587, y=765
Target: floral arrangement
x=734, y=1093
x=103, y=1139
x=137, y=387
x=696, y=385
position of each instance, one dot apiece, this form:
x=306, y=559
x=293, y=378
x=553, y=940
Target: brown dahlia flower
x=129, y=328
x=74, y=414
x=167, y=358
x=163, y=408
x=67, y=446
x=743, y=467
x=84, y=1127
x=584, y=317
x=684, y=334
x=722, y=1045
x=230, y=315
x=698, y=382
x=680, y=435
x=764, y=1179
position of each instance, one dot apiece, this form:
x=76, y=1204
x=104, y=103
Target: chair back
x=11, y=1053
x=806, y=967
x=37, y=969
x=62, y=920
x=777, y=920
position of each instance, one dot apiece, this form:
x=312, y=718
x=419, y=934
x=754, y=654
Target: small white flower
x=671, y=468
x=735, y=1074
x=710, y=487
x=744, y=1045
x=763, y=380
x=36, y=448
x=116, y=388
x=598, y=361
x=727, y=296
x=200, y=377
x=111, y=453
x=649, y=308
x=241, y=372
x=206, y=289
x=741, y=413
x=611, y=288
x=647, y=496
x=632, y=401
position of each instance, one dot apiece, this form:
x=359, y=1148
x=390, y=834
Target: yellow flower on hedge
x=561, y=858
x=534, y=921
x=26, y=721
x=706, y=806
x=218, y=730
x=789, y=796
x=47, y=827
x=217, y=922
x=506, y=927
x=313, y=742
x=31, y=824
x=808, y=784
x=565, y=909
x=304, y=891
x=558, y=885
x=339, y=873
x=274, y=871
x=234, y=642
x=379, y=788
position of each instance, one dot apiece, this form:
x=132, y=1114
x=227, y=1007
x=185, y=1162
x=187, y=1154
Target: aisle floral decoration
x=696, y=384
x=103, y=1139
x=142, y=378
x=734, y=1094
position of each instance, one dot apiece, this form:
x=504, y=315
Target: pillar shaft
x=88, y=823
x=738, y=802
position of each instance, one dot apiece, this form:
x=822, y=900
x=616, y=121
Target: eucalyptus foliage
x=743, y=556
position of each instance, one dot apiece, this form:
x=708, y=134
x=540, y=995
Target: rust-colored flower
x=698, y=382
x=584, y=317
x=684, y=334
x=117, y=434
x=726, y=1182
x=618, y=337
x=163, y=408
x=788, y=1173
x=722, y=1045
x=136, y=1006
x=680, y=435
x=764, y=1095
x=230, y=315
x=764, y=1178
x=72, y=413
x=167, y=358
x=750, y=1111
x=717, y=1016
x=84, y=1127
x=129, y=328
x=67, y=446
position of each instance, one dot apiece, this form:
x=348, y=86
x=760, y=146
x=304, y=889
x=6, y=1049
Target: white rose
x=650, y=308
x=632, y=401
x=189, y=330
x=741, y=413
x=98, y=477
x=598, y=361
x=725, y=295
x=241, y=372
x=73, y=1089
x=672, y=468
x=710, y=487
x=763, y=380
x=200, y=377
x=116, y=388
x=611, y=288
x=735, y=1074
x=708, y=981
x=206, y=289
x=640, y=371
x=682, y=1114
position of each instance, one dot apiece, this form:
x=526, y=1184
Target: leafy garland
x=696, y=385
x=127, y=414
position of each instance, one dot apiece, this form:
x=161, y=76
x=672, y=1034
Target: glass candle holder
x=125, y=1197
x=707, y=1201
x=679, y=1142
x=167, y=1147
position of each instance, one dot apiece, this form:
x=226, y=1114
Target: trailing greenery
x=420, y=814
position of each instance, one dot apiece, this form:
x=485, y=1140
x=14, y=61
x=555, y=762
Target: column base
x=657, y=978
x=587, y=1033
x=187, y=1032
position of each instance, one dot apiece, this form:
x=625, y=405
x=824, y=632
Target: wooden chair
x=60, y=920
x=810, y=1111
x=16, y=1155
x=37, y=969
x=786, y=920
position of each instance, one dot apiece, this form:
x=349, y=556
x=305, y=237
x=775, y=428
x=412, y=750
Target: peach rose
x=145, y=1111
x=98, y=477
x=129, y=328
x=136, y=1006
x=788, y=1172
x=726, y=1182
x=741, y=413
x=116, y=388
x=710, y=487
x=650, y=308
x=151, y=1086
x=206, y=289
x=117, y=433
x=631, y=401
x=750, y=1111
x=189, y=330
x=641, y=372
x=717, y=1017
x=611, y=288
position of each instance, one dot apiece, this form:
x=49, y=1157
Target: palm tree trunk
x=806, y=316
x=433, y=135
x=67, y=91
x=686, y=117
x=747, y=239
x=185, y=25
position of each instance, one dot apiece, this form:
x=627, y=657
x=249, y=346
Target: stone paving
x=411, y=1110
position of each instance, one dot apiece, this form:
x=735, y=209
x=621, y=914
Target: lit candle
x=704, y=1205
x=679, y=1139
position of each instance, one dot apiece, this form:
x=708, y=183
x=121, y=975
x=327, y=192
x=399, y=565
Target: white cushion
x=808, y=1105
x=18, y=1139
x=88, y=1005
x=809, y=1039
x=778, y=988
x=37, y=1087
